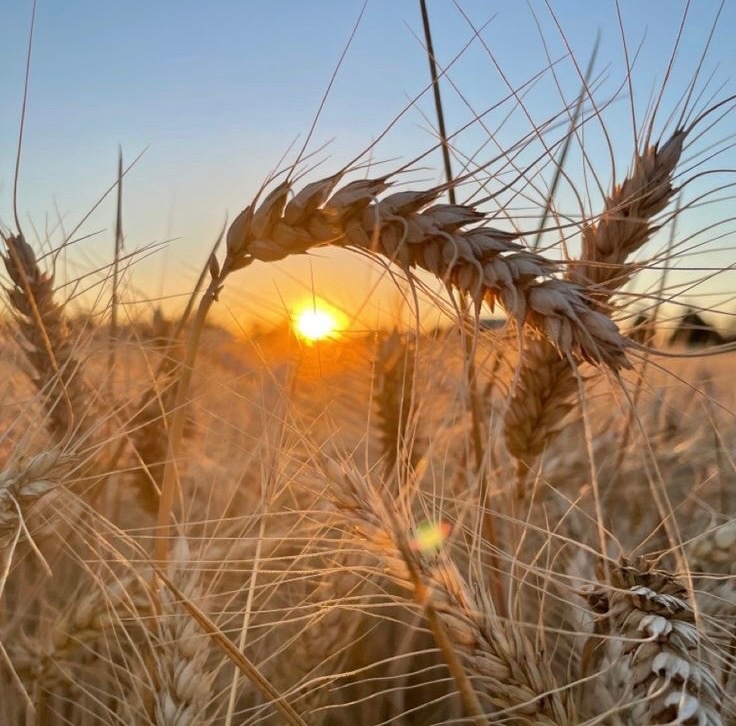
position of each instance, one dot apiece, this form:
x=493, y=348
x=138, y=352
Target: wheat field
x=531, y=521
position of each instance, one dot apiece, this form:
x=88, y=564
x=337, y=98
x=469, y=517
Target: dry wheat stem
x=649, y=652
x=518, y=685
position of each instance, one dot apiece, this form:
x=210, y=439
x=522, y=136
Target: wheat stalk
x=393, y=394
x=547, y=383
x=49, y=349
x=648, y=651
x=483, y=262
x=516, y=682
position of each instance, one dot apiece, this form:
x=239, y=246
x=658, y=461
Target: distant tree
x=642, y=331
x=694, y=332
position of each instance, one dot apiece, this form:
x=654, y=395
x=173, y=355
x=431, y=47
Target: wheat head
x=547, y=383
x=49, y=347
x=504, y=663
x=649, y=651
x=485, y=263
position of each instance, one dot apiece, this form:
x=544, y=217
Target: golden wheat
x=483, y=262
x=546, y=386
x=649, y=652
x=501, y=660
x=49, y=347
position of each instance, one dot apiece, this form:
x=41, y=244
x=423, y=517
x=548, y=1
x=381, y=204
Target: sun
x=316, y=322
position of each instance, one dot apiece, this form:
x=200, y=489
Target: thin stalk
x=170, y=484
x=438, y=103
x=560, y=163
x=114, y=301
x=246, y=617
x=26, y=80
x=476, y=415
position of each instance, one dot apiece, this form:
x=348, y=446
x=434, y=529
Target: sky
x=212, y=95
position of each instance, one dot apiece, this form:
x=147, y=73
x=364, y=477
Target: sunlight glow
x=316, y=322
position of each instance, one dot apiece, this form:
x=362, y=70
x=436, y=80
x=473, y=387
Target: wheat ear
x=23, y=483
x=516, y=683
x=547, y=384
x=392, y=393
x=648, y=651
x=408, y=228
x=90, y=618
x=183, y=681
x=49, y=348
x=627, y=221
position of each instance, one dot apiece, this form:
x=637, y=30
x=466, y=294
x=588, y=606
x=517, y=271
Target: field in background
x=274, y=550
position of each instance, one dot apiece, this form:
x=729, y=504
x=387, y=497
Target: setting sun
x=316, y=322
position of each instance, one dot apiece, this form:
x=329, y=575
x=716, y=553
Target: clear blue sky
x=215, y=92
